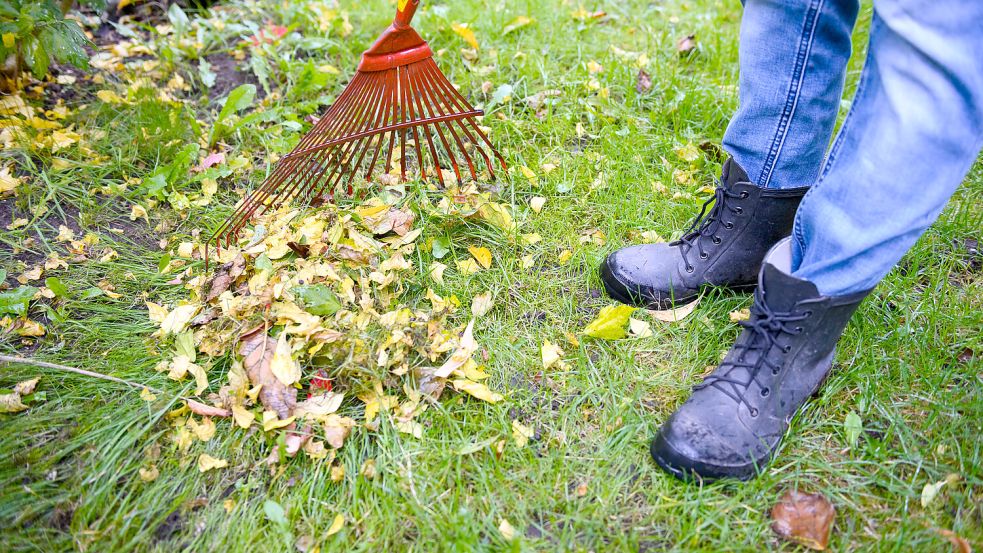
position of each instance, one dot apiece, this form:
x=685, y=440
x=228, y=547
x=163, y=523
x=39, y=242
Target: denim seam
x=837, y=144
x=795, y=88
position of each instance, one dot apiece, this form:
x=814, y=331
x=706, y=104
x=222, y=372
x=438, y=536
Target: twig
x=25, y=361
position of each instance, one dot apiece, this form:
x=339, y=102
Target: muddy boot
x=734, y=420
x=723, y=247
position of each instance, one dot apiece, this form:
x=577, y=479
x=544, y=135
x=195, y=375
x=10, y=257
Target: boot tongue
x=732, y=173
x=783, y=291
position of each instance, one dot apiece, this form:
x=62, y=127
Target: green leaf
x=205, y=72
x=3, y=275
x=502, y=94
x=318, y=299
x=17, y=301
x=263, y=263
x=441, y=247
x=275, y=513
x=90, y=293
x=184, y=345
x=611, y=323
x=853, y=426
x=165, y=260
x=57, y=286
x=239, y=99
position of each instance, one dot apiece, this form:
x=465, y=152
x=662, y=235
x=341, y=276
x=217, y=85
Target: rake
x=397, y=104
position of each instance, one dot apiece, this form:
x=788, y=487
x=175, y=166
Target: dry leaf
x=686, y=44
x=336, y=525
x=804, y=518
x=149, y=474
x=482, y=304
x=462, y=355
x=243, y=417
x=482, y=255
x=206, y=463
x=537, y=203
x=476, y=389
x=521, y=434
x=675, y=315
x=467, y=34
x=643, y=83
x=257, y=350
x=506, y=529
x=199, y=408
x=551, y=354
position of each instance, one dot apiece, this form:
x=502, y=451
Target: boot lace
x=708, y=223
x=766, y=325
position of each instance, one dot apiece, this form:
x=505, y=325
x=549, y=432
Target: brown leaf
x=966, y=355
x=686, y=44
x=207, y=410
x=804, y=518
x=643, y=83
x=256, y=349
x=296, y=439
x=959, y=543
x=303, y=250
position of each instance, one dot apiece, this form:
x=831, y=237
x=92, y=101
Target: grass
x=68, y=466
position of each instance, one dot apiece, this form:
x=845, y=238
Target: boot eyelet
x=765, y=392
x=744, y=194
x=775, y=372
x=808, y=313
x=704, y=256
x=798, y=330
x=786, y=349
x=716, y=240
x=728, y=226
x=738, y=210
x=690, y=269
x=754, y=412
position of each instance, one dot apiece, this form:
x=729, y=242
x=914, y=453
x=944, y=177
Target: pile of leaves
x=307, y=329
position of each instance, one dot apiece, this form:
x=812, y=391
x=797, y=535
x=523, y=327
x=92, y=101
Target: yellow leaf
x=498, y=215
x=482, y=255
x=639, y=328
x=437, y=272
x=157, y=312
x=147, y=395
x=740, y=315
x=8, y=182
x=521, y=434
x=137, y=211
x=551, y=354
x=468, y=266
x=9, y=40
x=467, y=34
x=527, y=261
x=243, y=417
x=206, y=463
x=177, y=320
x=564, y=256
x=11, y=403
x=610, y=323
x=532, y=238
x=477, y=389
x=284, y=367
x=149, y=474
x=204, y=430
x=529, y=174
x=337, y=524
x=506, y=529
x=271, y=421
x=537, y=203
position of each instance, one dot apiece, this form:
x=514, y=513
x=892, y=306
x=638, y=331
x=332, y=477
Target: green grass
x=68, y=466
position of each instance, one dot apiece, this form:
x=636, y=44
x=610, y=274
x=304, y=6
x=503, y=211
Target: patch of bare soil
x=229, y=75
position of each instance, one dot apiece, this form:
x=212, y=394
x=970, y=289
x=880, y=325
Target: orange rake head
x=398, y=103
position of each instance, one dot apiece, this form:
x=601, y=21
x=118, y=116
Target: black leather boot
x=723, y=247
x=735, y=419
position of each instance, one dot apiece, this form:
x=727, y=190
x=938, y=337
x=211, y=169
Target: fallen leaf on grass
x=243, y=417
x=739, y=315
x=482, y=304
x=506, y=529
x=462, y=355
x=639, y=328
x=336, y=525
x=149, y=474
x=477, y=389
x=643, y=83
x=257, y=350
x=13, y=402
x=482, y=255
x=675, y=315
x=537, y=203
x=930, y=491
x=467, y=34
x=552, y=355
x=959, y=543
x=611, y=323
x=804, y=518
x=521, y=434
x=686, y=44
x=206, y=463
x=200, y=408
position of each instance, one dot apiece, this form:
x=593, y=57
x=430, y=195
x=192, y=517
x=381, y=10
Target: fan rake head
x=399, y=113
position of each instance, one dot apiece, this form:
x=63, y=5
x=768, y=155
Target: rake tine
x=430, y=89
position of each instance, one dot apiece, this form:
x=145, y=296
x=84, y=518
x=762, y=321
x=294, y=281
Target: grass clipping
x=313, y=305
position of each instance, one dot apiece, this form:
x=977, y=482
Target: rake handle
x=405, y=11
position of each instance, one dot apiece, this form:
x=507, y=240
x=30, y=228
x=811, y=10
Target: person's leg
x=793, y=58
x=915, y=129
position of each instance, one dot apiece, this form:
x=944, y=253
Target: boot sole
x=619, y=292
x=708, y=474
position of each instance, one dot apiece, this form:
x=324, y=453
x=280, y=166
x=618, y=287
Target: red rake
x=398, y=91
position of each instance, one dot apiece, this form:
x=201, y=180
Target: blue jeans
x=913, y=131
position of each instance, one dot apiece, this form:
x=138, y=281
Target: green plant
x=36, y=32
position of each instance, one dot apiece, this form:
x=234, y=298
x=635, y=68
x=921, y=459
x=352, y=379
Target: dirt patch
x=171, y=527
x=228, y=75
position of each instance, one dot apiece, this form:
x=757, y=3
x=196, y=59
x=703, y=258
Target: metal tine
x=421, y=89
x=284, y=169
x=385, y=111
x=432, y=89
x=353, y=123
x=405, y=92
x=414, y=93
x=435, y=111
x=461, y=104
x=380, y=114
x=348, y=148
x=359, y=146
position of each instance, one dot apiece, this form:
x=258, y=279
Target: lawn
x=615, y=118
